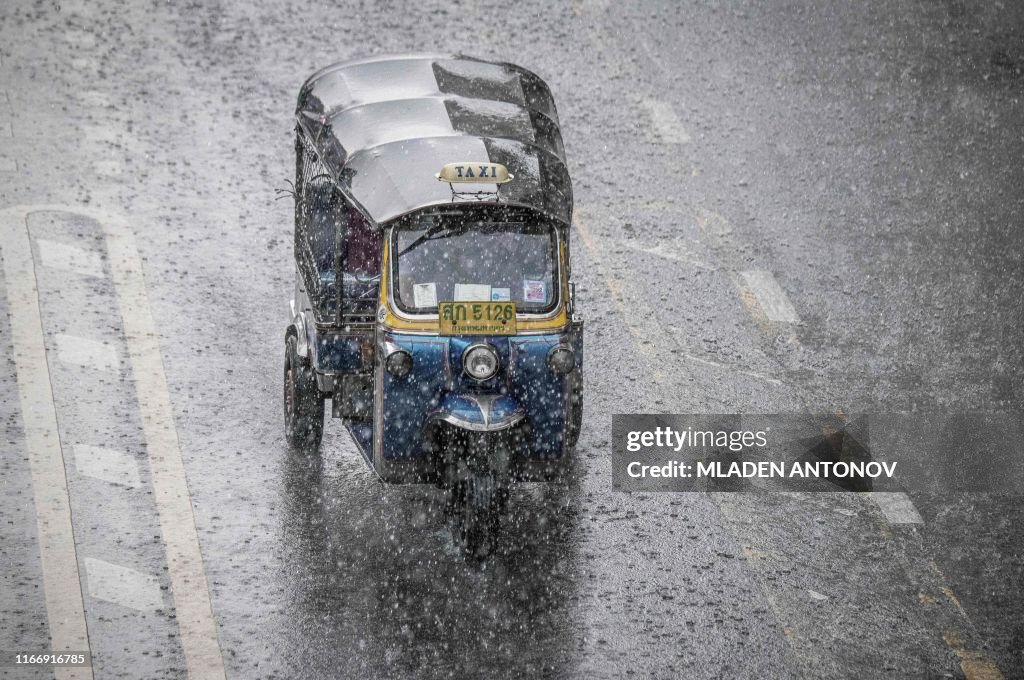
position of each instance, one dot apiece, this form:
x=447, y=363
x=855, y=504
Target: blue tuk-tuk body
x=433, y=304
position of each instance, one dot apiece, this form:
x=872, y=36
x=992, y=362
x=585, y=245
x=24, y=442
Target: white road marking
x=108, y=168
x=711, y=223
x=815, y=595
x=123, y=586
x=106, y=464
x=85, y=63
x=94, y=98
x=660, y=251
x=103, y=134
x=770, y=296
x=85, y=352
x=655, y=60
x=726, y=367
x=80, y=39
x=665, y=122
x=69, y=258
x=198, y=630
x=61, y=587
x=897, y=507
x=191, y=596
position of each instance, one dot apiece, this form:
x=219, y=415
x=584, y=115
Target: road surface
x=781, y=206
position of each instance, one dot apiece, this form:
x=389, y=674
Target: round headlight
x=480, y=362
x=562, y=360
x=398, y=363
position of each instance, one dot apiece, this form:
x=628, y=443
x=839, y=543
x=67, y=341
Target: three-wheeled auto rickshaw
x=433, y=298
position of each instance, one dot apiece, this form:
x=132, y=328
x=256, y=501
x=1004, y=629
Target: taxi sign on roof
x=478, y=173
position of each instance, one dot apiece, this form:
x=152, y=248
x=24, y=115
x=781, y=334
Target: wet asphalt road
x=867, y=157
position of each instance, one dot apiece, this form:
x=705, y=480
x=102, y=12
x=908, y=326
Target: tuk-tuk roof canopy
x=385, y=126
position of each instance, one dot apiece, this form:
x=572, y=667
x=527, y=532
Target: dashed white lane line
x=61, y=587
x=108, y=168
x=770, y=296
x=665, y=122
x=106, y=464
x=123, y=586
x=94, y=98
x=675, y=255
x=86, y=63
x=897, y=507
x=106, y=135
x=86, y=352
x=82, y=40
x=69, y=258
x=726, y=367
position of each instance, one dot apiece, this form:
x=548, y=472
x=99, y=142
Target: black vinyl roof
x=386, y=125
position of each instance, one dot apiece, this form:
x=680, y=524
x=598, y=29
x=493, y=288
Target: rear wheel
x=303, y=402
x=576, y=419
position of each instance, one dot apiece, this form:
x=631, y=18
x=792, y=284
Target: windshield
x=453, y=260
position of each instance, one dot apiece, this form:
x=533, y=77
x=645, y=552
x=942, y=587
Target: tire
x=303, y=402
x=477, y=517
x=576, y=420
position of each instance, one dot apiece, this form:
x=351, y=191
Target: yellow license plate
x=477, y=318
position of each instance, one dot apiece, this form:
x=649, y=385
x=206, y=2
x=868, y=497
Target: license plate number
x=477, y=318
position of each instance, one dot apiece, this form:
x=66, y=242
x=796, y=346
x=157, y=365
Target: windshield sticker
x=424, y=295
x=534, y=291
x=469, y=292
x=501, y=294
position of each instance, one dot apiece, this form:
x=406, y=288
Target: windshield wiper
x=435, y=232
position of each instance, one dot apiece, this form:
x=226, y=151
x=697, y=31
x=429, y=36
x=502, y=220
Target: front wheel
x=476, y=505
x=303, y=402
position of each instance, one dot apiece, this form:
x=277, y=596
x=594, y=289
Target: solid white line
x=61, y=587
x=198, y=630
x=123, y=586
x=897, y=507
x=106, y=464
x=770, y=296
x=665, y=122
x=69, y=258
x=85, y=352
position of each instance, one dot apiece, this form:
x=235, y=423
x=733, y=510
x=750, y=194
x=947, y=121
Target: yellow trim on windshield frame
x=525, y=323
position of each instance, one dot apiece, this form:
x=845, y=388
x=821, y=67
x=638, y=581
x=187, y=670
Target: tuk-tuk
x=433, y=298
